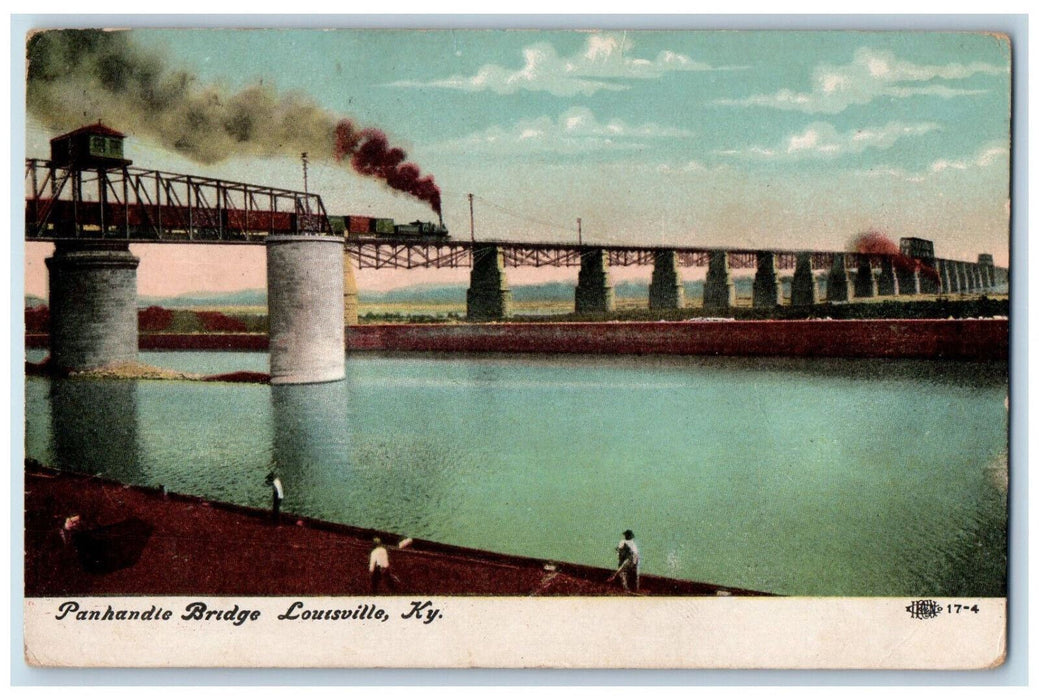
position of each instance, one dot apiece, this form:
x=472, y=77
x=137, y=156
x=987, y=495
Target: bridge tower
x=92, y=284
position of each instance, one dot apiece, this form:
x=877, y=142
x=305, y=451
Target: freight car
x=354, y=226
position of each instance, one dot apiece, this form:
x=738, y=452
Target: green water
x=820, y=477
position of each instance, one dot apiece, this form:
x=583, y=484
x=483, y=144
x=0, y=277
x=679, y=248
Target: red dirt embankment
x=910, y=338
x=950, y=339
x=136, y=541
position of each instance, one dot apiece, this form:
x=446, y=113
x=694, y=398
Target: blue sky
x=742, y=139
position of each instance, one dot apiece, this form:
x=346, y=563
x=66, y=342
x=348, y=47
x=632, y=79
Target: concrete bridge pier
x=865, y=283
x=594, y=293
x=908, y=280
x=665, y=288
x=837, y=280
x=767, y=290
x=489, y=297
x=93, y=305
x=802, y=288
x=305, y=309
x=887, y=286
x=719, y=291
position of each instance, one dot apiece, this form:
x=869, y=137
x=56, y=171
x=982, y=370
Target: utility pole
x=306, y=189
x=472, y=230
x=578, y=230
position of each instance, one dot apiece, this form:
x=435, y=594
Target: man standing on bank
x=277, y=495
x=379, y=566
x=628, y=562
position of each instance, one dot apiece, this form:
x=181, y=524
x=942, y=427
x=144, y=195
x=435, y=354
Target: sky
x=791, y=140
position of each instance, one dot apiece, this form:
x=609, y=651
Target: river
x=799, y=477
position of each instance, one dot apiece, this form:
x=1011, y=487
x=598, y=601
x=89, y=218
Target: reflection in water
x=334, y=467
x=94, y=427
x=311, y=450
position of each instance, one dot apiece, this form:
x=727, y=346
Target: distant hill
x=246, y=297
x=416, y=294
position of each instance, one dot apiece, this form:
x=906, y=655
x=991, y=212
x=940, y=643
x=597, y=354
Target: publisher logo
x=923, y=609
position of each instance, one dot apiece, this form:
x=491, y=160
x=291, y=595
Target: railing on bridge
x=150, y=205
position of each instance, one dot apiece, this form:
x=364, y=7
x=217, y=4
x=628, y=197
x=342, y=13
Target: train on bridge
x=354, y=226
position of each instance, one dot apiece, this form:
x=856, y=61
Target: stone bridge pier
x=665, y=288
x=93, y=305
x=988, y=269
x=767, y=289
x=979, y=278
x=966, y=285
x=489, y=297
x=956, y=277
x=908, y=280
x=929, y=281
x=719, y=291
x=802, y=288
x=943, y=275
x=887, y=285
x=865, y=282
x=837, y=280
x=594, y=293
x=305, y=292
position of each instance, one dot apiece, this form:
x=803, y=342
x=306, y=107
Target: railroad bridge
x=92, y=204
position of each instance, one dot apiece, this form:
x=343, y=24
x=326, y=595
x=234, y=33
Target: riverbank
x=939, y=339
x=140, y=541
x=139, y=370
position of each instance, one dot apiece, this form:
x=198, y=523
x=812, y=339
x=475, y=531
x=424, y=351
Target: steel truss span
x=409, y=253
x=134, y=204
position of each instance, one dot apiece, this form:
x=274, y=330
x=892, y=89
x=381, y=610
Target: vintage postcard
x=486, y=348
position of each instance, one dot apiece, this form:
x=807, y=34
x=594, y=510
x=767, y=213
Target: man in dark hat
x=628, y=562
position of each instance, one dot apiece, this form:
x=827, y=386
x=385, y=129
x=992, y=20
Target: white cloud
x=822, y=140
x=871, y=74
x=692, y=166
x=575, y=130
x=604, y=63
x=987, y=156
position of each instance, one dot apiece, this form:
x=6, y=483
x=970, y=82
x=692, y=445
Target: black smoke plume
x=79, y=76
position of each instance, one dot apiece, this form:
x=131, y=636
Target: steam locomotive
x=371, y=227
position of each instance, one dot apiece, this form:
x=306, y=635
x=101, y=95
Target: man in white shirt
x=277, y=495
x=628, y=562
x=379, y=566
